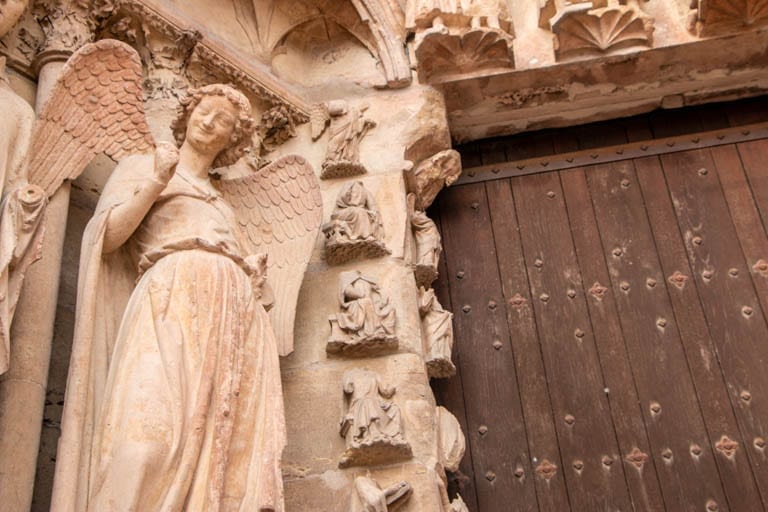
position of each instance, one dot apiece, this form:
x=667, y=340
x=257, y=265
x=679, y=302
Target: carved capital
x=66, y=27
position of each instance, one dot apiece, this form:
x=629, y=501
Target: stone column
x=22, y=388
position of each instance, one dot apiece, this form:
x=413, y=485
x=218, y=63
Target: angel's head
x=216, y=118
x=10, y=12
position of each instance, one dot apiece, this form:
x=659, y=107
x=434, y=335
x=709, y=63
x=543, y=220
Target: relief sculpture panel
x=366, y=324
x=372, y=425
x=355, y=229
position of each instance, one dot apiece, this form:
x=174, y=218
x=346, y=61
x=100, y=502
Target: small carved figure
x=348, y=126
x=437, y=327
x=451, y=442
x=372, y=424
x=428, y=246
x=174, y=399
x=458, y=505
x=366, y=324
x=355, y=229
x=369, y=497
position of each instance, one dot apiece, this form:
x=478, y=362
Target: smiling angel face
x=212, y=124
x=10, y=12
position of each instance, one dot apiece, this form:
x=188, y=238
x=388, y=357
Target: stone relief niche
x=372, y=424
x=595, y=27
x=365, y=326
x=368, y=496
x=715, y=17
x=355, y=229
x=457, y=37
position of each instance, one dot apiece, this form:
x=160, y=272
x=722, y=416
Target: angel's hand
x=166, y=159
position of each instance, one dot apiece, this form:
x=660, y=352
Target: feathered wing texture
x=280, y=210
x=96, y=106
x=318, y=119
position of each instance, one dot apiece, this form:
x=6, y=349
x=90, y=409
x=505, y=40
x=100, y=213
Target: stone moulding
x=384, y=20
x=714, y=17
x=599, y=31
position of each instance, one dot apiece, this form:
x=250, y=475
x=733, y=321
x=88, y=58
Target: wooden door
x=610, y=319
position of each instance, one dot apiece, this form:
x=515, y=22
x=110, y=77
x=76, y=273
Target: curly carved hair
x=244, y=126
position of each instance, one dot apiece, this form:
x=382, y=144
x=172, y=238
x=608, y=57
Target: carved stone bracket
x=372, y=424
x=714, y=17
x=461, y=40
x=366, y=324
x=368, y=496
x=596, y=27
x=355, y=229
x=430, y=176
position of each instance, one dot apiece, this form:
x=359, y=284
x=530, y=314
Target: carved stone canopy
x=585, y=28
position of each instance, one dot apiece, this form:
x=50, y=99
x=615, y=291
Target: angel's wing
x=280, y=209
x=318, y=119
x=96, y=106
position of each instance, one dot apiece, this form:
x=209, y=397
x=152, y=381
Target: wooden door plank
x=495, y=424
x=746, y=219
x=450, y=392
x=672, y=416
x=753, y=156
x=524, y=344
x=726, y=291
x=700, y=350
x=623, y=399
x=595, y=479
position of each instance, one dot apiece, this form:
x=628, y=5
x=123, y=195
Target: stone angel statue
x=348, y=126
x=174, y=400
